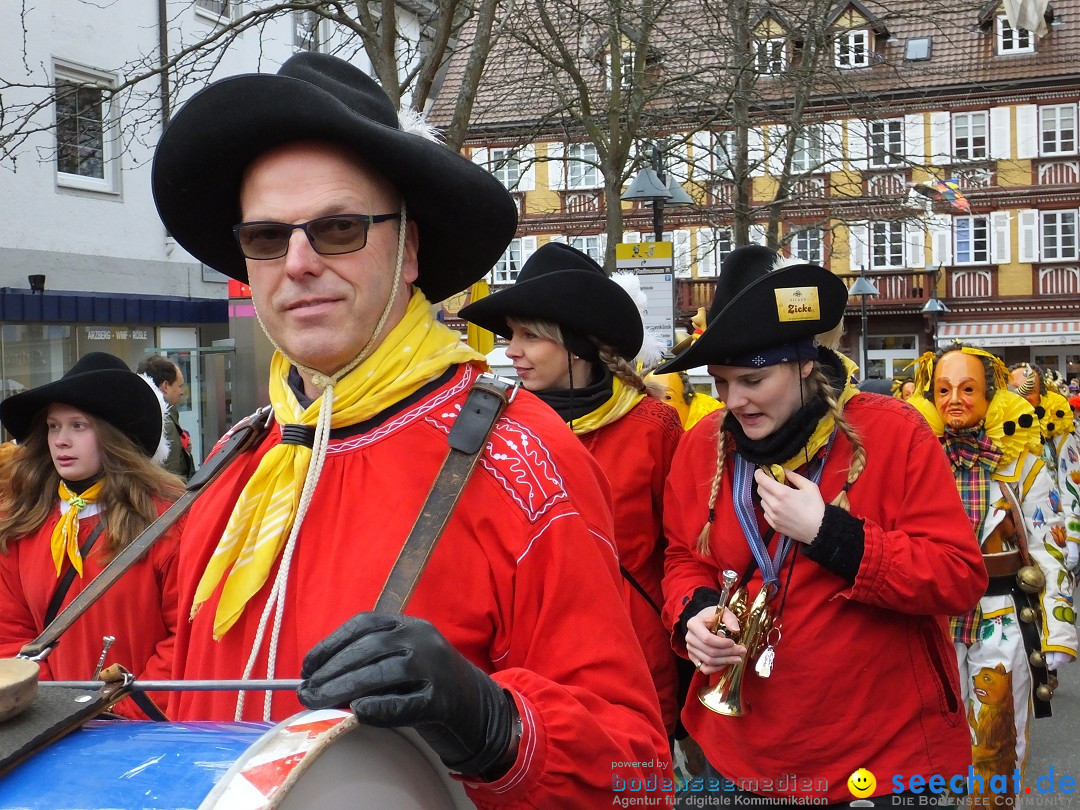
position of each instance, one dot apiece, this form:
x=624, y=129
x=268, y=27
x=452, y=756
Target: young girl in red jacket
x=573, y=335
x=85, y=467
x=835, y=511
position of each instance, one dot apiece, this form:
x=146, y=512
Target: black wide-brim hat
x=101, y=385
x=758, y=307
x=465, y=216
x=561, y=284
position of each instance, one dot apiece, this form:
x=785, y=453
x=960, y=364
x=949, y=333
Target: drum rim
x=348, y=722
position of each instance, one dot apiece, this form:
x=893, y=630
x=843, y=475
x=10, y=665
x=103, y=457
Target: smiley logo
x=861, y=783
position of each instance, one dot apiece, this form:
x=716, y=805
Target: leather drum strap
x=487, y=398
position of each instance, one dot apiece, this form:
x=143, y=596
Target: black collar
x=305, y=435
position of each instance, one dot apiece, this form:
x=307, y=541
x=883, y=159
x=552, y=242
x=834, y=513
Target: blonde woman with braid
x=836, y=511
x=84, y=481
x=573, y=333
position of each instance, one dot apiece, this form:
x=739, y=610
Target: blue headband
x=773, y=355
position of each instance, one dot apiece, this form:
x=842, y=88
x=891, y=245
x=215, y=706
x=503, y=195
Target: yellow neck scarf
x=65, y=537
x=416, y=350
x=623, y=399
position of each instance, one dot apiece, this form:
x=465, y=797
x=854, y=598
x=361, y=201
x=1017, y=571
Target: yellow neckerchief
x=1005, y=426
x=416, y=350
x=65, y=536
x=824, y=429
x=1051, y=424
x=622, y=400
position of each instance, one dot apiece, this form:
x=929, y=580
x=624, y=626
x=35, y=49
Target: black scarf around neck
x=574, y=403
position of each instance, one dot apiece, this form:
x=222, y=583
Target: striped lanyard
x=744, y=511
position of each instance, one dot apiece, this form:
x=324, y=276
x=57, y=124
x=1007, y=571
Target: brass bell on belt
x=1036, y=658
x=1044, y=692
x=1028, y=615
x=1030, y=579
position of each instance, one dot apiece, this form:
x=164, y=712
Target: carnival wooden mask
x=1024, y=380
x=960, y=390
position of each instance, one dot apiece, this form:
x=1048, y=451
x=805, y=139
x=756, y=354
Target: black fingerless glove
x=400, y=671
x=839, y=544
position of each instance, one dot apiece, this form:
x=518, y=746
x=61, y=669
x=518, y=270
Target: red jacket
x=865, y=675
x=139, y=610
x=635, y=454
x=515, y=584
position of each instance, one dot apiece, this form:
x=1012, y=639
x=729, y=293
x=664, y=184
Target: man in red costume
x=516, y=660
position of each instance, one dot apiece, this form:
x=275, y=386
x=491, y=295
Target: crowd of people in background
x=775, y=588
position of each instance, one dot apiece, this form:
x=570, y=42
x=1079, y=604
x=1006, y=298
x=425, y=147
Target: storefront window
x=889, y=355
x=33, y=354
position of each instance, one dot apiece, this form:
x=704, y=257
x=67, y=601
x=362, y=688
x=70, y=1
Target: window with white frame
x=970, y=135
x=808, y=245
x=591, y=246
x=582, y=169
x=1013, y=40
x=809, y=152
x=306, y=30
x=626, y=68
x=886, y=142
x=852, y=48
x=506, y=166
x=972, y=240
x=769, y=56
x=508, y=266
x=85, y=140
x=723, y=153
x=886, y=245
x=1057, y=129
x=217, y=8
x=1058, y=235
x=713, y=246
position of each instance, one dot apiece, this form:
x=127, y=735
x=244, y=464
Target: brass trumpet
x=725, y=696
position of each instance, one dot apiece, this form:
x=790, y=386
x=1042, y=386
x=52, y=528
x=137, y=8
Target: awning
x=92, y=307
x=1011, y=333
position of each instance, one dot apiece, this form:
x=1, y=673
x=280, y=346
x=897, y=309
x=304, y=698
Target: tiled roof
x=695, y=71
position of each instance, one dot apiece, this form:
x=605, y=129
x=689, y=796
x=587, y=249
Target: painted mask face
x=672, y=392
x=1025, y=385
x=960, y=390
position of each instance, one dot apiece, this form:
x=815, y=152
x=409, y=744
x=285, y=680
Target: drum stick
x=184, y=686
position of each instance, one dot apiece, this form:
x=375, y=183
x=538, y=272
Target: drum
x=322, y=760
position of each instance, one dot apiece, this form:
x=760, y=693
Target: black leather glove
x=400, y=671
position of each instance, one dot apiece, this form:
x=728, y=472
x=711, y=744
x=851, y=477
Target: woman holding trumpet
x=832, y=515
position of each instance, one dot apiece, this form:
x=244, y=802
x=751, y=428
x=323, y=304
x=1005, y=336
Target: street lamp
x=934, y=308
x=653, y=185
x=863, y=287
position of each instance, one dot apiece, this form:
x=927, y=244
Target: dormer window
x=1012, y=40
x=852, y=48
x=769, y=57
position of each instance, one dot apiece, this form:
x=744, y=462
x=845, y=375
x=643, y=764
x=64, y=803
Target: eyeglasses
x=329, y=236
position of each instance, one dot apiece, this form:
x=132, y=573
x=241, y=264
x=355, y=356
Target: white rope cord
x=276, y=600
